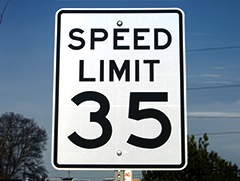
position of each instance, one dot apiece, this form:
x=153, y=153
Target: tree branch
x=1, y=17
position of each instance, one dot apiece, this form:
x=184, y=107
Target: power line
x=214, y=87
x=219, y=133
x=212, y=48
x=210, y=117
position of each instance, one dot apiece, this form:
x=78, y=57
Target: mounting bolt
x=119, y=153
x=119, y=23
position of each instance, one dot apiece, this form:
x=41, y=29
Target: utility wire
x=213, y=48
x=219, y=133
x=213, y=117
x=213, y=87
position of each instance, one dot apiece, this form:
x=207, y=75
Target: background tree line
x=22, y=142
x=202, y=165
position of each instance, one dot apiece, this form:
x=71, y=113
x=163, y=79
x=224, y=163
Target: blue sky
x=27, y=57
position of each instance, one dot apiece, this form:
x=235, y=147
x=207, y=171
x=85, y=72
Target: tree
x=22, y=142
x=202, y=165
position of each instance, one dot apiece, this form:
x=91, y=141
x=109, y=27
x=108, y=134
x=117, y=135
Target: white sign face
x=119, y=89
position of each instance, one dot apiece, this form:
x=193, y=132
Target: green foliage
x=21, y=145
x=202, y=165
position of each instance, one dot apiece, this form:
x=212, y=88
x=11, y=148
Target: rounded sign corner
x=179, y=11
x=55, y=165
x=60, y=11
x=183, y=165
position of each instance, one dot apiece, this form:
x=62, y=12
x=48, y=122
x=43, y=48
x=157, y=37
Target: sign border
x=182, y=93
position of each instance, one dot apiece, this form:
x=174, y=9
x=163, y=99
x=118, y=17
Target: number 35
x=134, y=113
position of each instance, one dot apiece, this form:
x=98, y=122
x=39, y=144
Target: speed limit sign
x=119, y=89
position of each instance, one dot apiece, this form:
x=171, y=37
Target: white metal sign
x=127, y=175
x=119, y=89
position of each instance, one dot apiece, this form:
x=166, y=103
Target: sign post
x=119, y=89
